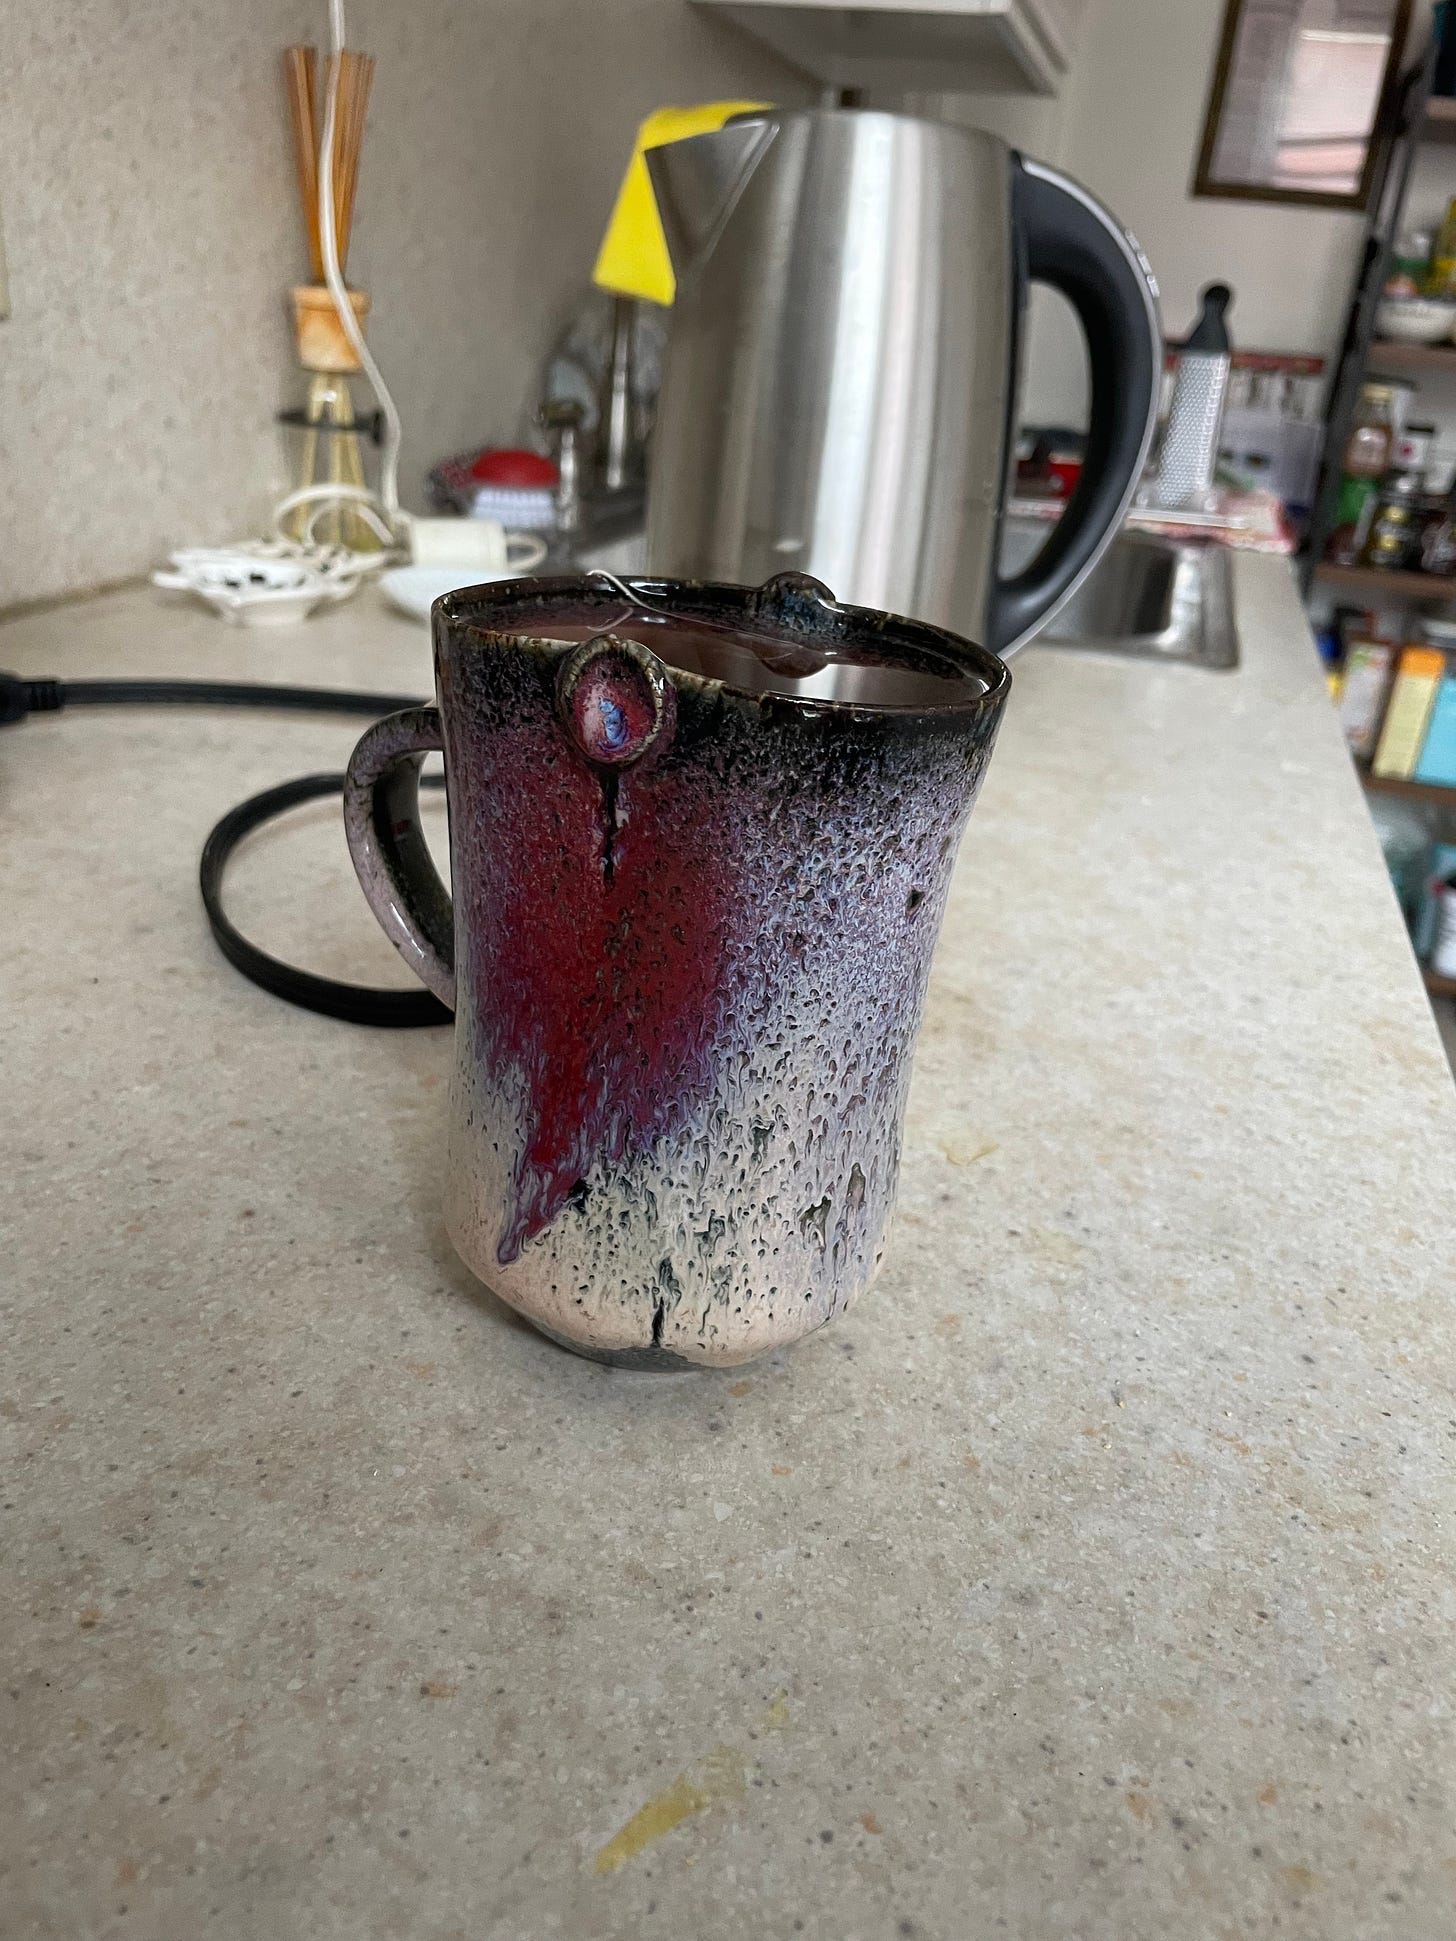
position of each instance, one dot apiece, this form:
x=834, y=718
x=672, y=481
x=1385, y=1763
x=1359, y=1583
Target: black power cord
x=355, y=1003
x=20, y=696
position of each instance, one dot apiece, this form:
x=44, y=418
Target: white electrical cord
x=333, y=276
x=325, y=498
x=380, y=510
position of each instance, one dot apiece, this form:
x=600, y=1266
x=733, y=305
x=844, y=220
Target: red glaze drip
x=608, y=920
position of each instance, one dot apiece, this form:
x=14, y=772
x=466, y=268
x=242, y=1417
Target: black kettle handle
x=1066, y=238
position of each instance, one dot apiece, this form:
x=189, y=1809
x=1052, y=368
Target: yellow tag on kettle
x=633, y=258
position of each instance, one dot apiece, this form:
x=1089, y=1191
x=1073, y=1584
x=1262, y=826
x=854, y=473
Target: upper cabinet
x=943, y=46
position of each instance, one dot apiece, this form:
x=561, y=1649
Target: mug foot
x=657, y=1361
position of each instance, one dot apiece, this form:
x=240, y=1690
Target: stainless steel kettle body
x=841, y=372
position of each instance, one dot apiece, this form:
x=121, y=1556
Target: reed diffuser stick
x=299, y=75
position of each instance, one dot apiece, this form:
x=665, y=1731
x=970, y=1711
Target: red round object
x=1066, y=472
x=513, y=467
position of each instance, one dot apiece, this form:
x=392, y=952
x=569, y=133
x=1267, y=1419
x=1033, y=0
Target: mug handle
x=524, y=551
x=391, y=856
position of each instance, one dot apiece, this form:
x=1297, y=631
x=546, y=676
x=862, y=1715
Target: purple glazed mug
x=700, y=840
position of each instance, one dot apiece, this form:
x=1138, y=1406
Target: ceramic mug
x=700, y=840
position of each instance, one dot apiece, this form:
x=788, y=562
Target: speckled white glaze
x=687, y=989
x=759, y=1210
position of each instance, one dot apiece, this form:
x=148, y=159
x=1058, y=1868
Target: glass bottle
x=1366, y=459
x=1441, y=282
x=1367, y=451
x=1438, y=542
x=327, y=451
x=1395, y=530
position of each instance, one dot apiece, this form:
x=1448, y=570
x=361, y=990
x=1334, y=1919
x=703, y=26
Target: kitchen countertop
x=1091, y=1579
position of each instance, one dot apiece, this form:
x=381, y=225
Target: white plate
x=415, y=589
x=253, y=588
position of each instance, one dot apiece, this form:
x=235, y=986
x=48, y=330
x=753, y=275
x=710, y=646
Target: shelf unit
x=1427, y=588
x=1418, y=116
x=1442, y=793
x=1388, y=356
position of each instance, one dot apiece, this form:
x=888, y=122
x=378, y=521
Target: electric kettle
x=840, y=382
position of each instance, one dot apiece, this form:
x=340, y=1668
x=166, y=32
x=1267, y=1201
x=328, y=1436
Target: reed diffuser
x=329, y=453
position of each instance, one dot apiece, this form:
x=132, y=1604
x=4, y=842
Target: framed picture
x=1301, y=98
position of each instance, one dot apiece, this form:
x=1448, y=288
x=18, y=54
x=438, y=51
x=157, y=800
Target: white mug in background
x=482, y=543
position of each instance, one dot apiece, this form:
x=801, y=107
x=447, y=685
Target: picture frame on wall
x=1301, y=97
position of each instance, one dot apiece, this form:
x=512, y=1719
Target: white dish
x=257, y=587
x=415, y=589
x=1415, y=320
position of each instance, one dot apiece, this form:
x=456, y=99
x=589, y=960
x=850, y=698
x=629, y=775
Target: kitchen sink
x=1149, y=597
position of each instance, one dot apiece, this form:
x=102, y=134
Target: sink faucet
x=616, y=447
x=561, y=420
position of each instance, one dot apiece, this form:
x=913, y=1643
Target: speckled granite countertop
x=1093, y=1579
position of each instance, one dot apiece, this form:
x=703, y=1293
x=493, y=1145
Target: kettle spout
x=696, y=183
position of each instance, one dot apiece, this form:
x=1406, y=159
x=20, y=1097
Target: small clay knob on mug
x=616, y=700
x=793, y=597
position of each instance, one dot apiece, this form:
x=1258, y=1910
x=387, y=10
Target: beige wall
x=150, y=220
x=1128, y=123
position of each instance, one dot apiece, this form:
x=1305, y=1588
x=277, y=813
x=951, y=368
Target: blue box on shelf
x=1437, y=761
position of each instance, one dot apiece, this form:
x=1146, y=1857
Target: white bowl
x=1415, y=320
x=254, y=589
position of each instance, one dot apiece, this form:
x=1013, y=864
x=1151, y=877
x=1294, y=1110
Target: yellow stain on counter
x=961, y=1153
x=777, y=1715
x=721, y=1779
x=717, y=1780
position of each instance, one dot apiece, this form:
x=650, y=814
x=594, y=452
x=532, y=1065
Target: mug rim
x=767, y=607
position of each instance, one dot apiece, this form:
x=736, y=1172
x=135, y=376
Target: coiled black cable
x=21, y=696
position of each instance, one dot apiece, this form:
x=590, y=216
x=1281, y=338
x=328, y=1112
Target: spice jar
x=1354, y=510
x=1412, y=447
x=1441, y=277
x=1395, y=531
x=1368, y=450
x=1438, y=541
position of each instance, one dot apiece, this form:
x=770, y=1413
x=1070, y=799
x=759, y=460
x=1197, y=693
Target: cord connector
x=20, y=697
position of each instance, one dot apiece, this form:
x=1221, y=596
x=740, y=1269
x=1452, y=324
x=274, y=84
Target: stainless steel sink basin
x=1150, y=597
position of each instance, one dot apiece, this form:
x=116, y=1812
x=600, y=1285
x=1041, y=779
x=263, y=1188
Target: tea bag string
x=644, y=603
x=621, y=586
x=795, y=658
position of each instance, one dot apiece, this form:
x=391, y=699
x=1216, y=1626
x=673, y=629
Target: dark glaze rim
x=792, y=606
